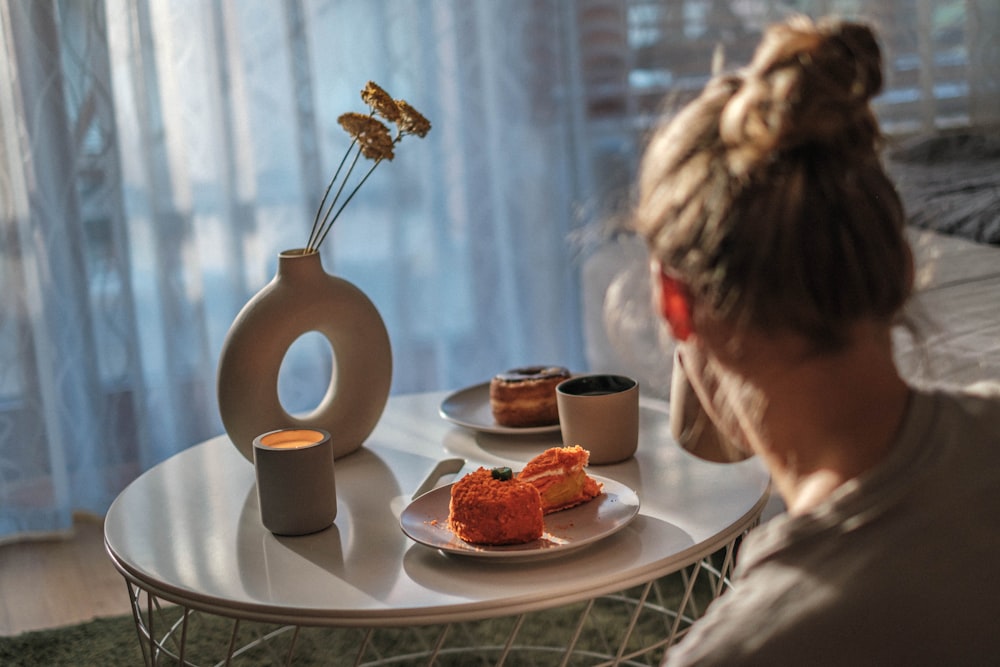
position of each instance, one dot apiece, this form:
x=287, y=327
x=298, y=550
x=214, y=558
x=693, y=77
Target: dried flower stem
x=329, y=225
x=314, y=233
x=371, y=138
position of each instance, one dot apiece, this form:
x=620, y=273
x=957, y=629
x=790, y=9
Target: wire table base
x=635, y=626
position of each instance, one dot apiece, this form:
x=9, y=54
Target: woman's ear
x=673, y=303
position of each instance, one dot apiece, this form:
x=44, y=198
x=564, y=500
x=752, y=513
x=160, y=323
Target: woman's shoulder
x=971, y=405
x=984, y=389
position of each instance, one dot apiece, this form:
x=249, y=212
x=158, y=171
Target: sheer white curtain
x=158, y=155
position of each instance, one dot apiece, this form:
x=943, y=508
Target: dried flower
x=370, y=134
x=412, y=121
x=372, y=139
x=380, y=101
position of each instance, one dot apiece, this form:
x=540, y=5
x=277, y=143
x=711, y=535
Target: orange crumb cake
x=493, y=507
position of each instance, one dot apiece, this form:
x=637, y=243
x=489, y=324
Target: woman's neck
x=826, y=418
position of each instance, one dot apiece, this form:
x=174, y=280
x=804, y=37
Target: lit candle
x=295, y=438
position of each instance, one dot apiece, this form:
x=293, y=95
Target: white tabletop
x=189, y=529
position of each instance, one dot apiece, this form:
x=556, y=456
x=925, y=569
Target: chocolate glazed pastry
x=526, y=396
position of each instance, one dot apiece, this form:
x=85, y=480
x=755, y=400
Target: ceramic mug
x=296, y=489
x=600, y=413
x=690, y=424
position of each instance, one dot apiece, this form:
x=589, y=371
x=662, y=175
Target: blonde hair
x=766, y=194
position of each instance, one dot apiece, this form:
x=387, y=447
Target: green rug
x=597, y=632
x=106, y=641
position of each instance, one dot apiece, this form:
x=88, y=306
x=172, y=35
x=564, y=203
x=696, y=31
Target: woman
x=780, y=263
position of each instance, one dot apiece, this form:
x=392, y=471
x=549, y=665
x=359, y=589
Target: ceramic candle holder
x=295, y=480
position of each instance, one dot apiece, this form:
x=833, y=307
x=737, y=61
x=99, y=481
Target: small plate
x=470, y=407
x=425, y=520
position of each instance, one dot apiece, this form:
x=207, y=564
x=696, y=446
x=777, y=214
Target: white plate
x=470, y=407
x=425, y=520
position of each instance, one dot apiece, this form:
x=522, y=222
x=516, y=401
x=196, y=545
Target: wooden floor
x=55, y=582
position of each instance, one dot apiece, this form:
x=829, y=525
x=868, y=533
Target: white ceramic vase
x=302, y=298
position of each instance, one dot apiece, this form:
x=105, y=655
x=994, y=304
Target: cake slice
x=558, y=475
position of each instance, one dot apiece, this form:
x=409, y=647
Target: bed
x=955, y=312
x=950, y=185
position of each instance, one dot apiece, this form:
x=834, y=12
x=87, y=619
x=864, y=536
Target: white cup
x=600, y=413
x=295, y=482
x=690, y=425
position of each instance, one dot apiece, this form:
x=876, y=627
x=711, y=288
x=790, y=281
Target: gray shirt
x=897, y=567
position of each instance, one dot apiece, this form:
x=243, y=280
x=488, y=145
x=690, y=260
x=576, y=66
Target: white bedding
x=956, y=311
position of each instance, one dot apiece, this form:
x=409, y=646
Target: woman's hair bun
x=809, y=84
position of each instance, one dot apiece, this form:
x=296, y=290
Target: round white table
x=188, y=532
